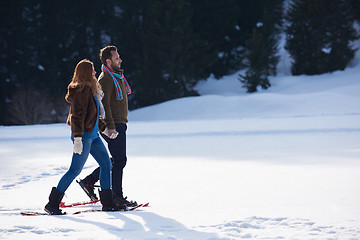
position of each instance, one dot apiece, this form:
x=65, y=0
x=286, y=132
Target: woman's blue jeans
x=96, y=148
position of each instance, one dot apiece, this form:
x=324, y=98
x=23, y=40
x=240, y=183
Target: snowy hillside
x=282, y=163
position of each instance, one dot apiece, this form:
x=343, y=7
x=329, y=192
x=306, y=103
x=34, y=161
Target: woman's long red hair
x=83, y=76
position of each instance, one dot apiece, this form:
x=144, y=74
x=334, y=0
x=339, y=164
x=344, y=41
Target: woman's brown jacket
x=83, y=111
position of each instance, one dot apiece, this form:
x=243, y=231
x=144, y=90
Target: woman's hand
x=78, y=146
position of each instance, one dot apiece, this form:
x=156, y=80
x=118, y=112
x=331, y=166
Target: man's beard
x=115, y=67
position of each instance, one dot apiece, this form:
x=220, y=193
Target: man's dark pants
x=117, y=148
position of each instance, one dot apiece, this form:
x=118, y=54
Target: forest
x=167, y=46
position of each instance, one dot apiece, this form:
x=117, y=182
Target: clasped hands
x=78, y=145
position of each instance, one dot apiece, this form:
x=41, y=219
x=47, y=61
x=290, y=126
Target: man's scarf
x=117, y=86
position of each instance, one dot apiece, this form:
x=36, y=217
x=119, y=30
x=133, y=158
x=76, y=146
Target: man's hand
x=111, y=133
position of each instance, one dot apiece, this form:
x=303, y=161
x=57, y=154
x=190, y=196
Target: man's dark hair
x=105, y=53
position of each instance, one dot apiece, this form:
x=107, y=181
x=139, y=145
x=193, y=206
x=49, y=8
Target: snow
x=281, y=163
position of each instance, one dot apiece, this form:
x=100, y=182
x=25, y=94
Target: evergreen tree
x=262, y=48
x=9, y=18
x=19, y=50
x=318, y=36
x=172, y=59
x=355, y=8
x=74, y=31
x=341, y=33
x=217, y=24
x=41, y=43
x=127, y=36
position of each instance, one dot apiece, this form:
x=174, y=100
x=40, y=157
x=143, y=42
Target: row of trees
x=167, y=46
x=319, y=34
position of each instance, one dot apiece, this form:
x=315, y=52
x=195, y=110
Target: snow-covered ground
x=278, y=164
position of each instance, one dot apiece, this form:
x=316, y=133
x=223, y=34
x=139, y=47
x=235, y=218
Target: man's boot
x=129, y=203
x=88, y=188
x=110, y=202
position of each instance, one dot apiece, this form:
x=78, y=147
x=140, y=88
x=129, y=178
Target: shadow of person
x=167, y=228
x=139, y=226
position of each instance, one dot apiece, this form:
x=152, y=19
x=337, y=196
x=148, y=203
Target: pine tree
x=262, y=61
x=318, y=36
x=20, y=37
x=262, y=48
x=217, y=24
x=172, y=59
x=341, y=33
x=10, y=16
x=41, y=43
x=355, y=9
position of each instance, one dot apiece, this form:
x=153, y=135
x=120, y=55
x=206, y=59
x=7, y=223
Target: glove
x=112, y=133
x=78, y=145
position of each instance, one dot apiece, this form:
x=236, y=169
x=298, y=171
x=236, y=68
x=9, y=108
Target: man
x=115, y=101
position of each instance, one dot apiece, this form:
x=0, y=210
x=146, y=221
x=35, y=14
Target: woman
x=84, y=95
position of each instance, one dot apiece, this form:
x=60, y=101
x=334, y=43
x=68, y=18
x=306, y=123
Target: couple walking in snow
x=97, y=106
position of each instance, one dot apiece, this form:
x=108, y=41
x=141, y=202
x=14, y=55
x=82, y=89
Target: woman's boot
x=54, y=201
x=110, y=202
